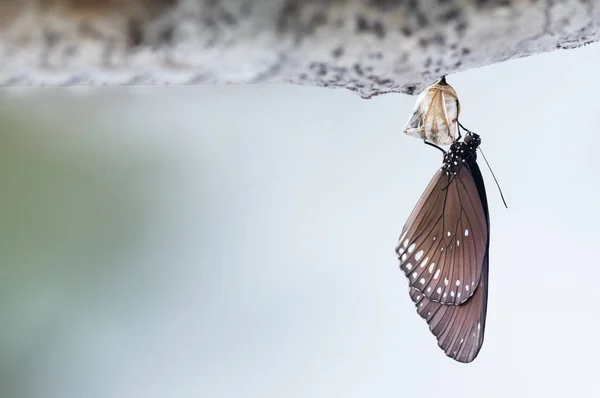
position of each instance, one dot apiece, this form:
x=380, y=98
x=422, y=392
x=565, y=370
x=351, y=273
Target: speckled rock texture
x=367, y=46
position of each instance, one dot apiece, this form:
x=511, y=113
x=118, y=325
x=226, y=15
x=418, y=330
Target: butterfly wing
x=444, y=242
x=459, y=329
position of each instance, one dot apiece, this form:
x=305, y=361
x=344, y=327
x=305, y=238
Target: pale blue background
x=238, y=241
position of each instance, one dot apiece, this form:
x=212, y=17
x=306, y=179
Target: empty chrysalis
x=435, y=116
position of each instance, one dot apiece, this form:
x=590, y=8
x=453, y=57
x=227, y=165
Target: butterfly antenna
x=492, y=171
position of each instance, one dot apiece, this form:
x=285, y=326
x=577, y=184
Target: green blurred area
x=71, y=208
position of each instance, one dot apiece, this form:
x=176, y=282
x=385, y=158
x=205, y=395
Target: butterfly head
x=472, y=139
x=461, y=152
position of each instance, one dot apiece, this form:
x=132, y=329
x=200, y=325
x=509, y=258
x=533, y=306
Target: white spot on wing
x=408, y=266
x=445, y=281
x=466, y=232
x=457, y=243
x=428, y=289
x=406, y=243
x=403, y=258
x=424, y=262
x=431, y=267
x=422, y=281
x=439, y=290
x=448, y=233
x=467, y=288
x=414, y=275
x=452, y=294
x=411, y=248
x=419, y=255
x=458, y=283
x=437, y=274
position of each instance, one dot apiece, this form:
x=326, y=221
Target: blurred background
x=238, y=241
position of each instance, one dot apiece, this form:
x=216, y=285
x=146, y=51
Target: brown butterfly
x=444, y=252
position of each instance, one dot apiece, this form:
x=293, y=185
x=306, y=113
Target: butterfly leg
x=433, y=145
x=463, y=127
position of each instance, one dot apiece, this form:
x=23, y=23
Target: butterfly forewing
x=459, y=329
x=443, y=244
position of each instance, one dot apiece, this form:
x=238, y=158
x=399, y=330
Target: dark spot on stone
x=439, y=39
x=465, y=51
x=386, y=5
x=428, y=62
x=135, y=34
x=71, y=50
x=453, y=46
x=461, y=27
x=410, y=89
x=458, y=64
x=369, y=69
x=361, y=24
x=376, y=55
x=358, y=69
x=504, y=3
x=338, y=52
x=228, y=18
x=288, y=17
x=450, y=15
x=210, y=21
x=437, y=70
x=166, y=35
x=406, y=31
x=422, y=20
x=302, y=76
x=423, y=42
x=318, y=19
x=378, y=29
x=51, y=38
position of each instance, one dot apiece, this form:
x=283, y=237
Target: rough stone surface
x=368, y=46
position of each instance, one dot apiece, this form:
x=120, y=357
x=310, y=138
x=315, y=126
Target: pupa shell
x=435, y=116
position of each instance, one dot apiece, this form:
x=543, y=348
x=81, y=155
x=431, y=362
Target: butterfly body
x=443, y=251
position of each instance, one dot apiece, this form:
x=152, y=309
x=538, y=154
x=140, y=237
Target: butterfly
x=443, y=250
x=435, y=116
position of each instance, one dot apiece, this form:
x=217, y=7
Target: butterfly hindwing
x=459, y=329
